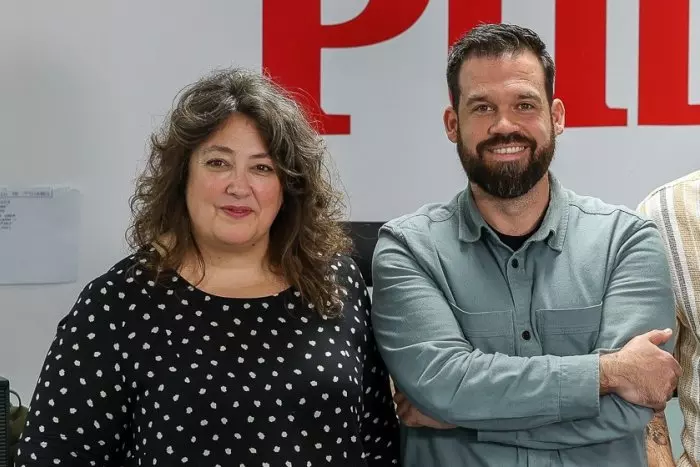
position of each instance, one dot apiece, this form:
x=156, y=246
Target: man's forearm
x=618, y=420
x=659, y=442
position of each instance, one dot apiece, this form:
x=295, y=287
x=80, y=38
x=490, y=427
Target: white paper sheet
x=39, y=230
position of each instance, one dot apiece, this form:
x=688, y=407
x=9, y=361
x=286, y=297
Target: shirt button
x=514, y=263
x=526, y=335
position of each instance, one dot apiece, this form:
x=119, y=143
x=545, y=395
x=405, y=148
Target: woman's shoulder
x=132, y=266
x=346, y=269
x=127, y=277
x=349, y=279
x=108, y=297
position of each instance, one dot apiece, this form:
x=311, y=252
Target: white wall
x=82, y=83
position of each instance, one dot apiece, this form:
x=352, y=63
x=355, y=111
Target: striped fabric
x=675, y=207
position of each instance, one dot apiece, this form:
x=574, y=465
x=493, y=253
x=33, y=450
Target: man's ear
x=558, y=116
x=451, y=122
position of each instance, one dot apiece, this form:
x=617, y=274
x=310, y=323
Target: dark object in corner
x=4, y=422
x=12, y=420
x=364, y=239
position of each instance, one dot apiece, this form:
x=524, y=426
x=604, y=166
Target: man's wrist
x=607, y=374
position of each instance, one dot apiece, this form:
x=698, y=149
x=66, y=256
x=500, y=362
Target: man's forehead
x=522, y=69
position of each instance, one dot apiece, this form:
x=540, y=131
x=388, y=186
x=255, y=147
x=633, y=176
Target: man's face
x=504, y=127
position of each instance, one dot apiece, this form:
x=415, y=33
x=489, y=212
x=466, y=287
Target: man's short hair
x=496, y=40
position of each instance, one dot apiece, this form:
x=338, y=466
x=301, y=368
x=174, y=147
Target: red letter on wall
x=463, y=15
x=580, y=41
x=293, y=37
x=663, y=64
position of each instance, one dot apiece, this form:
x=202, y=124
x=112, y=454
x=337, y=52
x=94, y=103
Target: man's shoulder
x=424, y=218
x=654, y=202
x=590, y=209
x=597, y=229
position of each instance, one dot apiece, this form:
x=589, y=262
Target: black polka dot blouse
x=143, y=373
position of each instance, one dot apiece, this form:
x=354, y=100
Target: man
x=511, y=311
x=675, y=208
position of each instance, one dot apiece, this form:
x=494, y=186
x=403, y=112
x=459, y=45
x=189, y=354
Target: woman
x=237, y=333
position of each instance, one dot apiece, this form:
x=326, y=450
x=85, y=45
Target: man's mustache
x=510, y=138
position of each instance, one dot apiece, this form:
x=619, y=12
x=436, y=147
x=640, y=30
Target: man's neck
x=515, y=216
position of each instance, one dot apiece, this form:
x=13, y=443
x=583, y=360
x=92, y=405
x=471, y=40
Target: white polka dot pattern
x=141, y=373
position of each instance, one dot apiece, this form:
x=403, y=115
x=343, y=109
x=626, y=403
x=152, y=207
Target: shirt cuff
x=579, y=387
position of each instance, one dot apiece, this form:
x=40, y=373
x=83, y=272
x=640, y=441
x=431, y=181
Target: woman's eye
x=216, y=163
x=263, y=168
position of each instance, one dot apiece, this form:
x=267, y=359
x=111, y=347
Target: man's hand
x=641, y=372
x=411, y=417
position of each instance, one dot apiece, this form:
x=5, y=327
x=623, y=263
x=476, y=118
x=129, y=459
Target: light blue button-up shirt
x=505, y=344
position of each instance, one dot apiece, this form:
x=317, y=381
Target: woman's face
x=233, y=190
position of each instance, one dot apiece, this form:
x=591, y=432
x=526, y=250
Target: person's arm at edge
x=658, y=441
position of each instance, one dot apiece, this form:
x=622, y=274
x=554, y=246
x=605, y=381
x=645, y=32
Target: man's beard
x=508, y=179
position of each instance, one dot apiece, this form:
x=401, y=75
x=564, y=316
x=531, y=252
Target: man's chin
x=504, y=189
x=508, y=168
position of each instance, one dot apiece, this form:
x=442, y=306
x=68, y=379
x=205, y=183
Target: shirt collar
x=552, y=229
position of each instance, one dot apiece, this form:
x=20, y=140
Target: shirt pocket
x=488, y=331
x=569, y=331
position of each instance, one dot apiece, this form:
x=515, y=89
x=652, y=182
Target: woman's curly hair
x=307, y=234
